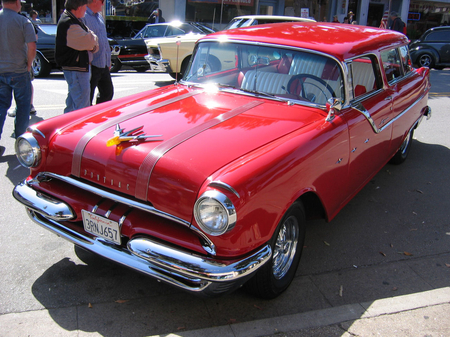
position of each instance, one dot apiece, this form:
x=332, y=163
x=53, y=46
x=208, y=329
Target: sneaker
x=12, y=113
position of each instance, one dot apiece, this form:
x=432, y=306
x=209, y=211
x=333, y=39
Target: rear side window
x=440, y=35
x=365, y=75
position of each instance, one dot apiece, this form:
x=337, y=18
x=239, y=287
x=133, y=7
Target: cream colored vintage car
x=171, y=55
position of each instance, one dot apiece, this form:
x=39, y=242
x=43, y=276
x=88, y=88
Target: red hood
x=200, y=133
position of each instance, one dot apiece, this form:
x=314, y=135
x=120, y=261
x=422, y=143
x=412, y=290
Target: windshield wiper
x=255, y=92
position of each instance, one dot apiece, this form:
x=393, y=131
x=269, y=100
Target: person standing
x=74, y=41
x=156, y=17
x=35, y=17
x=101, y=63
x=350, y=17
x=12, y=113
x=18, y=49
x=396, y=23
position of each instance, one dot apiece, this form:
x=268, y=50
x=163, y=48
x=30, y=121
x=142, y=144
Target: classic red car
x=207, y=184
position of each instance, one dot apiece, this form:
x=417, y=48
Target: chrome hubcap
x=36, y=66
x=425, y=61
x=285, y=247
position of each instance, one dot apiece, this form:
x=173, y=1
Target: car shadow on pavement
x=15, y=172
x=392, y=239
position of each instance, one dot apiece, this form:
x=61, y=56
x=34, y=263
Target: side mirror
x=332, y=105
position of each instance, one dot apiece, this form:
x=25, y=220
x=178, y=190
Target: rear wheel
x=426, y=60
x=403, y=151
x=287, y=243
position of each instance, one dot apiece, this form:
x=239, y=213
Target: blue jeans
x=20, y=85
x=79, y=95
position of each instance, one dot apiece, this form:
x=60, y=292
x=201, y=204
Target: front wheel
x=116, y=65
x=40, y=66
x=403, y=151
x=287, y=243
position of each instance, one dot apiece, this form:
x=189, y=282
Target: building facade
x=125, y=17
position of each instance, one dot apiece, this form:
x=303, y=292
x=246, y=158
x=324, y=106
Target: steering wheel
x=304, y=93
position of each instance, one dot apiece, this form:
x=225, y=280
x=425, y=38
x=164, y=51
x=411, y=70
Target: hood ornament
x=130, y=136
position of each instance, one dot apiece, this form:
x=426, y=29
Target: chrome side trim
x=358, y=106
x=184, y=270
x=108, y=195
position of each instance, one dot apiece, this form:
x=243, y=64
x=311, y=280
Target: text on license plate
x=101, y=226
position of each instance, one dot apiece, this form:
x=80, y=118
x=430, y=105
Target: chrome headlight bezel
x=223, y=221
x=27, y=146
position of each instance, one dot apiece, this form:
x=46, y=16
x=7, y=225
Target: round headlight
x=215, y=213
x=28, y=151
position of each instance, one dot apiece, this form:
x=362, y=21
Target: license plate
x=101, y=227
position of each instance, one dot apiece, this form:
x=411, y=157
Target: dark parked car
x=432, y=49
x=133, y=51
x=44, y=61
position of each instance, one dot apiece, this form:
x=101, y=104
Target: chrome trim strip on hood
x=82, y=143
x=146, y=169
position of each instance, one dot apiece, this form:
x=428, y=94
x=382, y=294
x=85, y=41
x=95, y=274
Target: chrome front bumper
x=158, y=65
x=192, y=272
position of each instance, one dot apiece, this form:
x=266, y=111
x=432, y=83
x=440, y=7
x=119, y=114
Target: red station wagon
x=207, y=184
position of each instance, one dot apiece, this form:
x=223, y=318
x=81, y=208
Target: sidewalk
x=422, y=314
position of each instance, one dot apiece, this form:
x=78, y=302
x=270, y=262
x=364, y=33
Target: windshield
x=264, y=70
x=236, y=23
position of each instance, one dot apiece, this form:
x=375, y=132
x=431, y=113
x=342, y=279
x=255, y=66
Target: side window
x=365, y=75
x=406, y=60
x=176, y=31
x=440, y=35
x=392, y=64
x=155, y=31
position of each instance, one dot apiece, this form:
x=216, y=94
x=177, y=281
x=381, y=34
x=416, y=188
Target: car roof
x=273, y=17
x=342, y=41
x=436, y=29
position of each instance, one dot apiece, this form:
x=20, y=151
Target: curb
x=323, y=317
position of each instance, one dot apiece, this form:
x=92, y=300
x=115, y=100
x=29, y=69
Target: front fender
x=263, y=184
